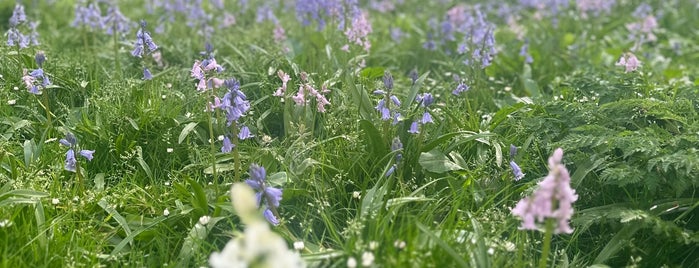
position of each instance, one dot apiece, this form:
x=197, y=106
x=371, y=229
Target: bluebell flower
x=516, y=170
x=18, y=15
x=227, y=145
x=146, y=74
x=388, y=80
x=414, y=128
x=89, y=16
x=144, y=43
x=244, y=133
x=72, y=143
x=396, y=145
x=234, y=102
x=266, y=195
x=115, y=21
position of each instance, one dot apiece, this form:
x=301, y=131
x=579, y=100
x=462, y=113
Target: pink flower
x=629, y=61
x=553, y=199
x=285, y=79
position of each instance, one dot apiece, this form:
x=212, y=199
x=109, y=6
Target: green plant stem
x=547, y=243
x=46, y=107
x=79, y=178
x=211, y=137
x=117, y=65
x=236, y=153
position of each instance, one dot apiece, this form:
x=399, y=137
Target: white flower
x=491, y=251
x=55, y=201
x=5, y=223
x=351, y=262
x=399, y=244
x=170, y=150
x=298, y=245
x=11, y=102
x=166, y=212
x=367, y=258
x=373, y=245
x=204, y=220
x=356, y=194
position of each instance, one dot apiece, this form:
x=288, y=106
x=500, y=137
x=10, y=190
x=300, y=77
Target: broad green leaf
x=435, y=161
x=185, y=131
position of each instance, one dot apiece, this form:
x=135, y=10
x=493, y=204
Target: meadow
x=349, y=133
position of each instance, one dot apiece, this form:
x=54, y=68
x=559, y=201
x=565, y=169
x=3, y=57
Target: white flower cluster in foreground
x=258, y=246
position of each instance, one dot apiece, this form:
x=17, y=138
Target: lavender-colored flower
x=524, y=52
x=388, y=81
x=552, y=200
x=72, y=143
x=413, y=76
x=269, y=196
x=234, y=102
x=515, y=168
x=18, y=16
x=244, y=133
x=227, y=145
x=359, y=31
x=414, y=128
x=115, y=21
x=146, y=74
x=144, y=43
x=396, y=145
x=89, y=16
x=461, y=88
x=36, y=78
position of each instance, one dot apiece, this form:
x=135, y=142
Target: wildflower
x=524, y=52
x=267, y=195
x=234, y=102
x=307, y=89
x=227, y=145
x=414, y=128
x=298, y=245
x=55, y=201
x=166, y=212
x=285, y=79
x=207, y=67
x=358, y=32
x=552, y=200
x=515, y=168
x=258, y=246
x=351, y=262
x=88, y=16
x=628, y=61
x=367, y=259
x=204, y=220
x=14, y=35
x=244, y=133
x=146, y=74
x=115, y=21
x=72, y=143
x=36, y=78
x=461, y=87
x=144, y=43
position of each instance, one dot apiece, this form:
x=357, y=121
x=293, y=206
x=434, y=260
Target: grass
x=629, y=138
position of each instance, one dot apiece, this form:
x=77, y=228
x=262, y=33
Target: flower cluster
x=234, y=104
x=115, y=21
x=468, y=29
x=322, y=11
x=269, y=196
x=384, y=105
x=461, y=87
x=306, y=89
x=641, y=31
x=144, y=45
x=358, y=32
x=524, y=52
x=88, y=16
x=258, y=246
x=72, y=143
x=15, y=37
x=425, y=100
x=36, y=79
x=552, y=200
x=515, y=168
x=285, y=79
x=594, y=7
x=629, y=62
x=207, y=67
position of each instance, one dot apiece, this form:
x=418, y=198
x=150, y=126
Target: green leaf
x=115, y=214
x=29, y=150
x=435, y=161
x=185, y=131
x=414, y=89
x=277, y=179
x=193, y=242
x=372, y=72
x=199, y=196
x=373, y=139
x=455, y=256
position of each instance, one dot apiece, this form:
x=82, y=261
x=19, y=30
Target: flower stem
x=211, y=137
x=79, y=177
x=547, y=243
x=236, y=153
x=46, y=107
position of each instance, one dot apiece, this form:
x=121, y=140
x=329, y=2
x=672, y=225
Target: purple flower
x=144, y=43
x=515, y=168
x=115, y=21
x=269, y=196
x=461, y=88
x=146, y=74
x=227, y=145
x=414, y=128
x=234, y=102
x=552, y=200
x=244, y=133
x=89, y=16
x=72, y=143
x=388, y=80
x=396, y=145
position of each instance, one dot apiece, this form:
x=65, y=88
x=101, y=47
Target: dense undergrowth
x=395, y=153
